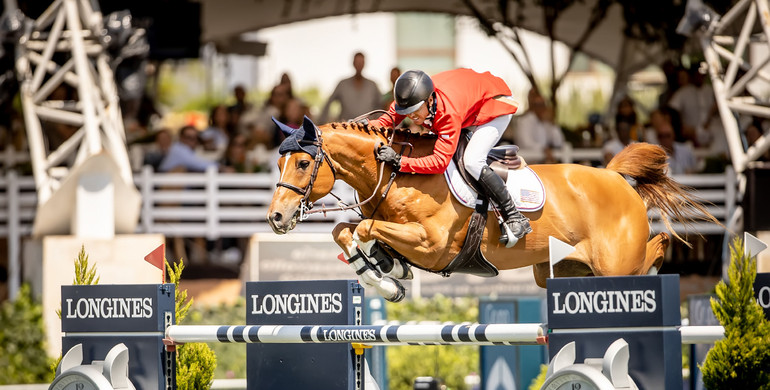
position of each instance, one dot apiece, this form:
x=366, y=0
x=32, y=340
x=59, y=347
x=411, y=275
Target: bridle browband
x=320, y=157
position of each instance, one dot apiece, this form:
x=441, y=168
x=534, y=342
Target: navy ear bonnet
x=298, y=140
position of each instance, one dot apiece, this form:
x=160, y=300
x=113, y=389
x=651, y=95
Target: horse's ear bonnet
x=299, y=140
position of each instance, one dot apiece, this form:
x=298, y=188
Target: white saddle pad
x=525, y=188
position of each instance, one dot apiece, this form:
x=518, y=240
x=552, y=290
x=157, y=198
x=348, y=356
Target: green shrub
x=23, y=357
x=449, y=363
x=195, y=362
x=742, y=359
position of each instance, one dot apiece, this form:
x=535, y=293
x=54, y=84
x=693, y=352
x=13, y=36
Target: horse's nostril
x=277, y=217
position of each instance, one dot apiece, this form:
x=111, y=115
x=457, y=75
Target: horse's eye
x=303, y=164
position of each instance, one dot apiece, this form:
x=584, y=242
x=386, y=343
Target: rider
x=447, y=103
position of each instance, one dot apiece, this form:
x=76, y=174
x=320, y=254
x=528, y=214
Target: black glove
x=386, y=154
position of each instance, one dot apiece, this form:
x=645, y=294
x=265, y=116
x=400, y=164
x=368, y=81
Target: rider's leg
x=484, y=138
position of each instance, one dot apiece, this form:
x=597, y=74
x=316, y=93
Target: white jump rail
x=418, y=334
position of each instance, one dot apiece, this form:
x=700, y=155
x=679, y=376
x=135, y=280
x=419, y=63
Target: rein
x=306, y=210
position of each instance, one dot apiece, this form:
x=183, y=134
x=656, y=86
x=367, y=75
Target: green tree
x=195, y=362
x=23, y=357
x=742, y=359
x=449, y=363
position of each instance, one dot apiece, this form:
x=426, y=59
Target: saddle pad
x=525, y=188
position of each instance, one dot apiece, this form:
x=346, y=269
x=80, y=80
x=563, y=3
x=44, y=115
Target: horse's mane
x=381, y=131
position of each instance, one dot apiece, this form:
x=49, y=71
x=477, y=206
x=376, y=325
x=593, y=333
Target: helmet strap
x=432, y=107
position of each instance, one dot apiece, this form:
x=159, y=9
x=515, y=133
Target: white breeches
x=484, y=138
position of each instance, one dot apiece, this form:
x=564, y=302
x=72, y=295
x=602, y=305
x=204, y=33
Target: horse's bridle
x=305, y=208
x=320, y=156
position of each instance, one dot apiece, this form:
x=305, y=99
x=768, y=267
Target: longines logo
x=625, y=301
x=108, y=308
x=349, y=334
x=296, y=303
x=763, y=297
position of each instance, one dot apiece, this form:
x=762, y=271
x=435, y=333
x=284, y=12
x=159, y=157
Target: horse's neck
x=353, y=153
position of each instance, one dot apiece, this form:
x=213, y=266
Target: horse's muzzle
x=280, y=223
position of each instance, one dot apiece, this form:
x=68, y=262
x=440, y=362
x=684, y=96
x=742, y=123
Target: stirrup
x=507, y=236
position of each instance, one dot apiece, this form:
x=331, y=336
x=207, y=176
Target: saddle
x=470, y=260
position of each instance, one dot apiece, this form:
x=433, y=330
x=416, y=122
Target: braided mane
x=369, y=128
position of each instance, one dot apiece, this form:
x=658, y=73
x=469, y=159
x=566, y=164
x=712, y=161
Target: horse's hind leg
x=656, y=250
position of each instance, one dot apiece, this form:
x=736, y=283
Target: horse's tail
x=646, y=163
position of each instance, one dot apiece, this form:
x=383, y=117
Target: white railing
x=213, y=204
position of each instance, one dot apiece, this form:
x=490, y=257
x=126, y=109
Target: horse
x=421, y=224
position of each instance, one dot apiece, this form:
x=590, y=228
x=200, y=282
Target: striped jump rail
x=410, y=334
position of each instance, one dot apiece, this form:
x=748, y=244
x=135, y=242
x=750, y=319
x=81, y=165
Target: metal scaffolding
x=65, y=45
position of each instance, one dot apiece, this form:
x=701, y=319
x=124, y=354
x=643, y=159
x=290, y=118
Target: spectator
x=681, y=159
x=753, y=132
x=622, y=139
x=356, y=95
x=235, y=111
x=215, y=137
x=626, y=113
x=294, y=112
x=181, y=156
x=286, y=82
x=536, y=129
x=259, y=126
x=694, y=102
x=235, y=158
x=160, y=148
x=387, y=97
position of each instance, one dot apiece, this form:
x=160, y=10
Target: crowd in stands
x=241, y=137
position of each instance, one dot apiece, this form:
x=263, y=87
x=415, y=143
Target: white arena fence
x=214, y=205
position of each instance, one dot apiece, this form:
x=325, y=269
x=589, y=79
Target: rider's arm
x=386, y=121
x=448, y=131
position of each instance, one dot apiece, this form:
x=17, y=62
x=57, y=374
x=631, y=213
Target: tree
x=195, y=362
x=740, y=360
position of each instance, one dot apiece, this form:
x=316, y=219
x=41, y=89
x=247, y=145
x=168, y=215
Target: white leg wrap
x=387, y=287
x=399, y=270
x=365, y=246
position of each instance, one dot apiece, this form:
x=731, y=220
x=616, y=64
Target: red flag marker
x=341, y=256
x=158, y=258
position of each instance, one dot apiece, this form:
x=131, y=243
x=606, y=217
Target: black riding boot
x=514, y=223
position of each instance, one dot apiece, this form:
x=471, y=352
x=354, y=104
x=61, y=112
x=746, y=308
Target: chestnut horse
x=595, y=210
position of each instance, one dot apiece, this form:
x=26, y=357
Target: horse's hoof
x=400, y=291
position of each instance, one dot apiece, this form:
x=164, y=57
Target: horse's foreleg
x=359, y=259
x=409, y=239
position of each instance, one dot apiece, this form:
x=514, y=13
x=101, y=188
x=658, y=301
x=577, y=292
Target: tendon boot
x=514, y=225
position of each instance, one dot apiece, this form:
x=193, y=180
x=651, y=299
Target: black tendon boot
x=515, y=225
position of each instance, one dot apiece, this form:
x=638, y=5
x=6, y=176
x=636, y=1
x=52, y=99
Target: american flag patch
x=528, y=196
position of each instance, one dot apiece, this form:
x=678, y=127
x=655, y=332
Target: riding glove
x=386, y=154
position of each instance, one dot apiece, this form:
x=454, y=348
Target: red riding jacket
x=464, y=98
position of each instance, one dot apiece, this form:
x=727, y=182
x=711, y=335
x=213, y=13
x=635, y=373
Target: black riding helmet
x=412, y=88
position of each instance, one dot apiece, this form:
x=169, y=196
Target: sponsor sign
x=762, y=292
x=102, y=316
x=613, y=301
x=305, y=366
x=117, y=308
